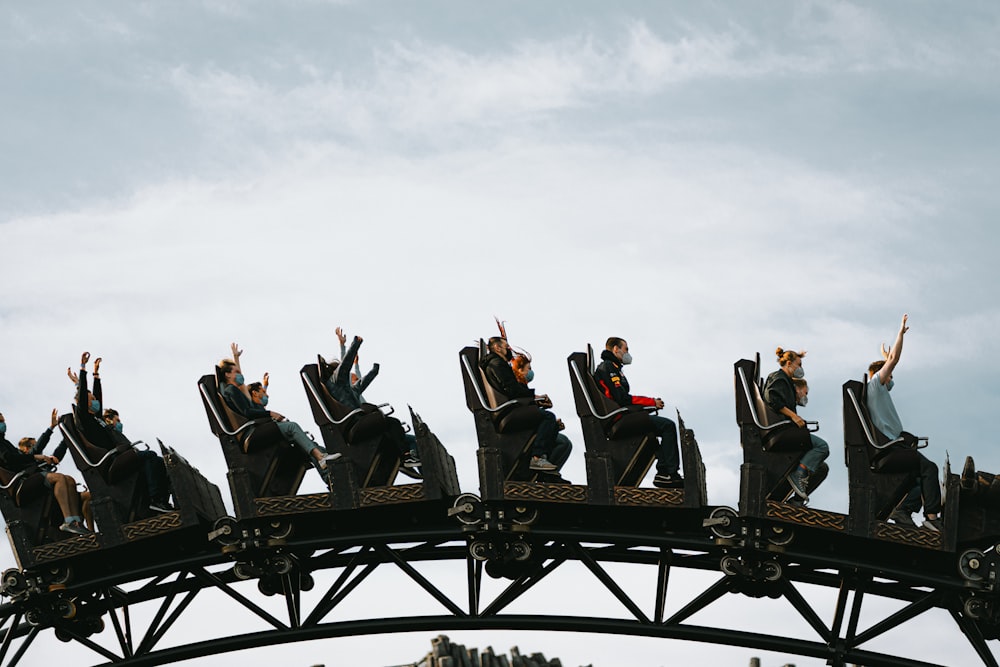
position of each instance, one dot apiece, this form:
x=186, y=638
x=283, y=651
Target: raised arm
x=98, y=392
x=894, y=353
x=342, y=374
x=363, y=383
x=81, y=388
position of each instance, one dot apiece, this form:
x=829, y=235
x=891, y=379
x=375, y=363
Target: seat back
x=359, y=434
x=777, y=432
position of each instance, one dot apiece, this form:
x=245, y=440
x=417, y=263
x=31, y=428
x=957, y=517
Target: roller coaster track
x=131, y=616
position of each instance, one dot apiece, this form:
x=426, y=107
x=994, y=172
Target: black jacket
x=779, y=392
x=501, y=377
x=339, y=383
x=612, y=382
x=94, y=429
x=12, y=458
x=238, y=401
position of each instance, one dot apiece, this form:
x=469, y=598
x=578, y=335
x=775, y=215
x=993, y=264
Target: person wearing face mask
x=496, y=367
x=238, y=398
x=102, y=433
x=521, y=365
x=611, y=380
x=63, y=486
x=781, y=395
x=885, y=418
x=346, y=387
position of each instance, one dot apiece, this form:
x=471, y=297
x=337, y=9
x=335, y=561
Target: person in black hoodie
x=100, y=433
x=611, y=380
x=496, y=368
x=63, y=486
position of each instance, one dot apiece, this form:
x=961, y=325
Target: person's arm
x=60, y=451
x=342, y=374
x=98, y=393
x=236, y=352
x=363, y=383
x=894, y=352
x=342, y=339
x=81, y=407
x=779, y=394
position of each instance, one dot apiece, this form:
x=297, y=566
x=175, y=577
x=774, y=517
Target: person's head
x=875, y=367
x=26, y=445
x=619, y=348
x=499, y=347
x=3, y=425
x=227, y=367
x=112, y=419
x=791, y=362
x=258, y=394
x=93, y=405
x=522, y=369
x=801, y=391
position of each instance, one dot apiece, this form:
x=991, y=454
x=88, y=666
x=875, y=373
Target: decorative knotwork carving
x=921, y=537
x=806, y=516
x=557, y=493
x=314, y=502
x=632, y=495
x=154, y=525
x=387, y=495
x=64, y=548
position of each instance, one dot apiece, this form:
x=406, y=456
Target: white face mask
x=802, y=401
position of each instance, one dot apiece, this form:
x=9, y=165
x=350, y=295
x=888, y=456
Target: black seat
x=261, y=462
x=620, y=440
x=29, y=510
x=358, y=434
x=505, y=427
x=114, y=477
x=772, y=444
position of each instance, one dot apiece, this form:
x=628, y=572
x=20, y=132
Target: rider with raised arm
x=237, y=396
x=104, y=434
x=783, y=396
x=344, y=385
x=63, y=486
x=611, y=380
x=885, y=418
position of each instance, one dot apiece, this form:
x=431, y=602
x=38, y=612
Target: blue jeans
x=820, y=450
x=294, y=434
x=545, y=435
x=560, y=450
x=668, y=459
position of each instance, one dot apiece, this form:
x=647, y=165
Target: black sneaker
x=74, y=527
x=902, y=518
x=668, y=480
x=161, y=506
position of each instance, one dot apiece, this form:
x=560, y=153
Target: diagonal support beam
x=608, y=582
x=16, y=658
x=341, y=588
x=662, y=579
x=710, y=595
x=793, y=595
x=911, y=610
x=422, y=581
x=8, y=636
x=205, y=575
x=975, y=637
x=520, y=586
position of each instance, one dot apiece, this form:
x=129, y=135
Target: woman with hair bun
x=781, y=395
x=521, y=365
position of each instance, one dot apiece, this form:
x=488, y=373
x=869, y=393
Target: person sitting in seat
x=102, y=433
x=33, y=446
x=885, y=418
x=346, y=388
x=782, y=395
x=521, y=365
x=240, y=403
x=612, y=382
x=63, y=486
x=496, y=368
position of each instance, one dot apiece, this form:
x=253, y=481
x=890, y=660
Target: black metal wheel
x=975, y=608
x=972, y=565
x=725, y=521
x=243, y=571
x=479, y=550
x=771, y=570
x=525, y=516
x=280, y=530
x=730, y=565
x=468, y=509
x=231, y=533
x=14, y=582
x=781, y=535
x=521, y=551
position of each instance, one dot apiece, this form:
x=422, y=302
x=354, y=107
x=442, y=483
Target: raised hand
x=84, y=358
x=902, y=326
x=97, y=366
x=55, y=417
x=341, y=336
x=236, y=352
x=72, y=376
x=264, y=382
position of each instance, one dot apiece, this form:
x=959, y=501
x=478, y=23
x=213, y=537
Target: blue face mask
x=3, y=427
x=95, y=406
x=798, y=373
x=529, y=376
x=239, y=379
x=263, y=399
x=118, y=427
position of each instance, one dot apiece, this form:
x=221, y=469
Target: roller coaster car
x=979, y=495
x=622, y=445
x=261, y=462
x=31, y=513
x=506, y=430
x=118, y=490
x=772, y=446
x=371, y=460
x=879, y=482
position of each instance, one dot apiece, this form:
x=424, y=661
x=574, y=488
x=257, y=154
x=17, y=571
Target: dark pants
x=406, y=443
x=545, y=435
x=560, y=450
x=155, y=472
x=668, y=460
x=927, y=486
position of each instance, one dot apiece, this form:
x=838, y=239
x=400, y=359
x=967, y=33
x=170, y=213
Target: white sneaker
x=328, y=457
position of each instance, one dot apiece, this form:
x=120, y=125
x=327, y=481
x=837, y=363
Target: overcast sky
x=707, y=180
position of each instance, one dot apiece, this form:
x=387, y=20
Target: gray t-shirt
x=882, y=410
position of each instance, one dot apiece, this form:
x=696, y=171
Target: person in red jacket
x=612, y=382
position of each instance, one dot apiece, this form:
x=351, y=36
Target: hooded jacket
x=612, y=382
x=501, y=377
